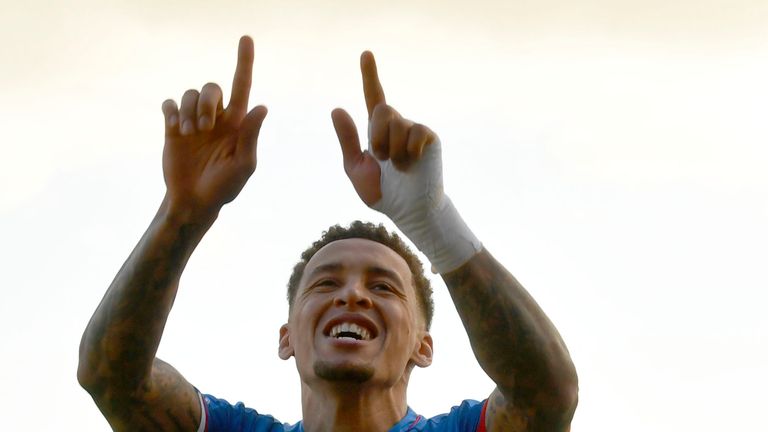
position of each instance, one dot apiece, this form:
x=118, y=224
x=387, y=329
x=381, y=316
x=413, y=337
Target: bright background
x=612, y=153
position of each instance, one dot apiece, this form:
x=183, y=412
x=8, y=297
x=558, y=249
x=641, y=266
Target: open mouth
x=351, y=327
x=350, y=330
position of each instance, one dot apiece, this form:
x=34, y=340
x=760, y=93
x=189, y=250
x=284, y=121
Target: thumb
x=249, y=130
x=346, y=131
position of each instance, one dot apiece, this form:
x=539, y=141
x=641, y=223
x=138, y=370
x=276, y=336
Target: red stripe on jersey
x=481, y=425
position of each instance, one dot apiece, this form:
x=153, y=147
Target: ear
x=285, y=350
x=422, y=353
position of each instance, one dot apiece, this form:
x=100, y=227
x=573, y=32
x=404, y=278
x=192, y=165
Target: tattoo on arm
x=516, y=345
x=117, y=352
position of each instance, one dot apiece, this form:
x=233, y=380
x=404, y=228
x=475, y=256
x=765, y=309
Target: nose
x=353, y=294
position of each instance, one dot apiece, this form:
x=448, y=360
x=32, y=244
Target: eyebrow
x=374, y=270
x=325, y=268
x=389, y=274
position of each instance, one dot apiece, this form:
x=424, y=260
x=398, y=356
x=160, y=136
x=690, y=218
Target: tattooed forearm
x=138, y=413
x=515, y=343
x=117, y=351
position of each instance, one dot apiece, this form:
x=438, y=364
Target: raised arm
x=400, y=175
x=209, y=154
x=517, y=346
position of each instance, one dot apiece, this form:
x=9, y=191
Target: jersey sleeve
x=218, y=415
x=469, y=416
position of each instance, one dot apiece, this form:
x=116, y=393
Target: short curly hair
x=379, y=234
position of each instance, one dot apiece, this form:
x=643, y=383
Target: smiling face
x=356, y=317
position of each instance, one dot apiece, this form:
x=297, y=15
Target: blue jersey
x=221, y=416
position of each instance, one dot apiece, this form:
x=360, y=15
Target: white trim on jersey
x=203, y=419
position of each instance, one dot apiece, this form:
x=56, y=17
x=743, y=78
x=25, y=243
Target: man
x=359, y=303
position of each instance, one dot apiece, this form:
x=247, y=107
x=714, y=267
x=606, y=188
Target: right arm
x=512, y=338
x=209, y=154
x=117, y=352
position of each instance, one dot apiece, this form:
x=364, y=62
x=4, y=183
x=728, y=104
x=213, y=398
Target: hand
x=397, y=143
x=210, y=152
x=401, y=175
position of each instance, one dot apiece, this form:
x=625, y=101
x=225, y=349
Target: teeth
x=350, y=328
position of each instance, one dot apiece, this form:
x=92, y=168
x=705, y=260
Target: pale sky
x=612, y=154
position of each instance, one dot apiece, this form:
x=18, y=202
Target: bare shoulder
x=504, y=415
x=166, y=401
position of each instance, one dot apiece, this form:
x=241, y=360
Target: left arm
x=518, y=347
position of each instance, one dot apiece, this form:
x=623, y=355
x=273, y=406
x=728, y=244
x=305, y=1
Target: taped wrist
x=442, y=236
x=417, y=204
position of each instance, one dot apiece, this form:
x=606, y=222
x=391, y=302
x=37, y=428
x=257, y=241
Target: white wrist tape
x=417, y=204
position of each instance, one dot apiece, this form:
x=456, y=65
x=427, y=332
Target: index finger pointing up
x=241, y=84
x=374, y=94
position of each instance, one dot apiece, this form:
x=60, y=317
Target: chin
x=343, y=373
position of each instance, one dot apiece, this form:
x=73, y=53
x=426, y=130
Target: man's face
x=355, y=317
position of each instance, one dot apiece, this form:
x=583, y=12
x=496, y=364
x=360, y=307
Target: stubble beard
x=347, y=373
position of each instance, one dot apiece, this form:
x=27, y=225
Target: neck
x=343, y=407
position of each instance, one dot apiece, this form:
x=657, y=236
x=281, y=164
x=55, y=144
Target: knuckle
x=399, y=155
x=249, y=166
x=419, y=129
x=383, y=110
x=404, y=125
x=399, y=152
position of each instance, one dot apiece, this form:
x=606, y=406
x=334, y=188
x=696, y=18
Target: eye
x=325, y=284
x=381, y=286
